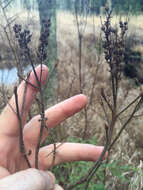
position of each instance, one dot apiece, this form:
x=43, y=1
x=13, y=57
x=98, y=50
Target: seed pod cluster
x=43, y=40
x=114, y=46
x=23, y=37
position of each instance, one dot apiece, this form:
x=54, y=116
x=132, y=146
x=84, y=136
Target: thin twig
x=105, y=99
x=86, y=123
x=126, y=123
x=24, y=95
x=104, y=110
x=128, y=105
x=99, y=161
x=92, y=170
x=27, y=81
x=21, y=141
x=43, y=118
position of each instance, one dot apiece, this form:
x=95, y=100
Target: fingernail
x=57, y=187
x=49, y=178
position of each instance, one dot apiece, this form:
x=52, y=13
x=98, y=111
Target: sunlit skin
x=11, y=159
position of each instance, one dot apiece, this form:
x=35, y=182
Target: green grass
x=70, y=173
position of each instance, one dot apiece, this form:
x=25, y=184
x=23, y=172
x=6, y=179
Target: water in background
x=25, y=11
x=8, y=76
x=24, y=8
x=28, y=10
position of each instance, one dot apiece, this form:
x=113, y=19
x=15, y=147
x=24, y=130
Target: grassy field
x=67, y=27
x=67, y=20
x=95, y=76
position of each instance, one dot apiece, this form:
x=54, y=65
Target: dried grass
x=127, y=149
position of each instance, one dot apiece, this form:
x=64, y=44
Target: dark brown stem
x=105, y=99
x=128, y=105
x=86, y=123
x=80, y=56
x=126, y=123
x=104, y=110
x=21, y=141
x=99, y=161
x=93, y=170
x=34, y=86
x=43, y=124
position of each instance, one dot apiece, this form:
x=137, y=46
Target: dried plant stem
x=114, y=58
x=81, y=26
x=104, y=110
x=23, y=38
x=126, y=123
x=21, y=141
x=54, y=156
x=86, y=123
x=43, y=124
x=17, y=60
x=24, y=94
x=56, y=148
x=128, y=105
x=99, y=161
x=105, y=99
x=80, y=60
x=34, y=86
x=42, y=113
x=92, y=171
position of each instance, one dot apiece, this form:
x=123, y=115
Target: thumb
x=32, y=179
x=46, y=174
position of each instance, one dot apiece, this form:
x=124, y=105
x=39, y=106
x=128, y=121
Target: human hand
x=11, y=159
x=32, y=179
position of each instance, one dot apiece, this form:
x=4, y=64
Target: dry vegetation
x=94, y=69
x=95, y=76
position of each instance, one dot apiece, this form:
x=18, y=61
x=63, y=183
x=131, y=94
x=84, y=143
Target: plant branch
x=126, y=123
x=21, y=141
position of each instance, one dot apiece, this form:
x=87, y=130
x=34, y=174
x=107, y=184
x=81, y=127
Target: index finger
x=9, y=123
